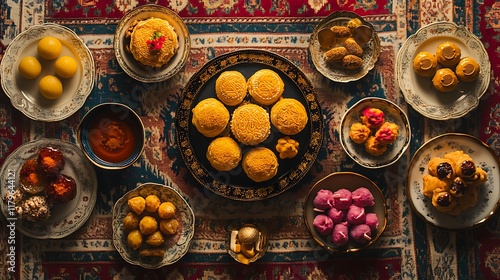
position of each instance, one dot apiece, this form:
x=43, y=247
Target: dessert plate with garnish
x=331, y=43
x=477, y=203
x=48, y=72
x=48, y=214
x=455, y=94
x=246, y=128
x=151, y=43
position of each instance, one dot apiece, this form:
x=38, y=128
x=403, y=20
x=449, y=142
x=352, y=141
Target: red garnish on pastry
x=156, y=41
x=372, y=117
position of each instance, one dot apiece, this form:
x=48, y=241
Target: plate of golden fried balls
x=452, y=181
x=375, y=132
x=250, y=125
x=347, y=53
x=152, y=226
x=443, y=70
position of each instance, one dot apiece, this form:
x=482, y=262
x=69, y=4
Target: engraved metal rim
x=314, y=48
x=118, y=42
x=182, y=126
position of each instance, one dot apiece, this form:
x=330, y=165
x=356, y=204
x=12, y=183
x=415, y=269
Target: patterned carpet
x=408, y=249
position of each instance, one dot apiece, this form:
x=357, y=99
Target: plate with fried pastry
x=51, y=188
x=249, y=125
x=452, y=182
x=443, y=70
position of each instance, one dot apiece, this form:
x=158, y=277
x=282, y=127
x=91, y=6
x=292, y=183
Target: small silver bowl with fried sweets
x=246, y=242
x=151, y=43
x=152, y=226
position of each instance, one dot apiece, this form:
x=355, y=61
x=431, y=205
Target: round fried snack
x=137, y=204
x=250, y=124
x=134, y=239
x=131, y=221
x=155, y=239
x=260, y=164
x=223, y=153
x=152, y=203
x=210, y=117
x=166, y=210
x=148, y=225
x=169, y=226
x=231, y=87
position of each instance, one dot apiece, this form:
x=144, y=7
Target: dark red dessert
x=31, y=178
x=61, y=190
x=50, y=160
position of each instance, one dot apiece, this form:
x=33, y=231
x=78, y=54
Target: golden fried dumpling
x=148, y=225
x=166, y=210
x=352, y=47
x=210, y=117
x=223, y=153
x=335, y=54
x=152, y=203
x=134, y=239
x=153, y=42
x=260, y=164
x=445, y=80
x=137, y=204
x=464, y=165
x=467, y=69
x=169, y=226
x=442, y=168
x=443, y=201
x=448, y=54
x=432, y=183
x=250, y=124
x=231, y=87
x=155, y=239
x=387, y=133
x=130, y=221
x=352, y=62
x=373, y=147
x=265, y=86
x=359, y=133
x=425, y=64
x=289, y=116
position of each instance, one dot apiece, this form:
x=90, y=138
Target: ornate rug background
x=408, y=248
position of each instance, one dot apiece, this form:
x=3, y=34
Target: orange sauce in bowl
x=112, y=138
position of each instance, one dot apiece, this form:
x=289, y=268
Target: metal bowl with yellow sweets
x=152, y=226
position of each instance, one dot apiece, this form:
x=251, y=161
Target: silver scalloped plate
x=24, y=93
x=488, y=196
x=65, y=218
x=419, y=92
x=134, y=68
x=176, y=246
x=336, y=72
x=393, y=114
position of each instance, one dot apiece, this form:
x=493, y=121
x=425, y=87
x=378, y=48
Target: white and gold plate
x=24, y=94
x=489, y=193
x=420, y=93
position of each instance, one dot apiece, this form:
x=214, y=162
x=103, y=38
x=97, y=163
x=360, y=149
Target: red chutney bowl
x=111, y=135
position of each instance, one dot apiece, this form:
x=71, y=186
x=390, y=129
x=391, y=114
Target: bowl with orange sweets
x=152, y=226
x=375, y=132
x=47, y=71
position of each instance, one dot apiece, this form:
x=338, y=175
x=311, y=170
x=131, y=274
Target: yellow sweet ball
x=66, y=66
x=49, y=48
x=50, y=87
x=29, y=67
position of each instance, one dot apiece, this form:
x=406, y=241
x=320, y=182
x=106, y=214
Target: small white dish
x=134, y=68
x=65, y=218
x=488, y=196
x=357, y=152
x=420, y=93
x=349, y=181
x=24, y=94
x=336, y=72
x=176, y=246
